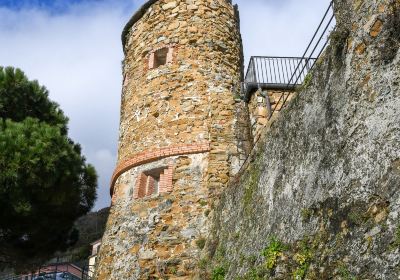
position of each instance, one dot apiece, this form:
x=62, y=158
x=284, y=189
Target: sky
x=73, y=47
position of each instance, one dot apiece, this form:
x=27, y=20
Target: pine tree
x=45, y=182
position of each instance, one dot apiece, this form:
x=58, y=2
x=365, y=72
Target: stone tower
x=182, y=135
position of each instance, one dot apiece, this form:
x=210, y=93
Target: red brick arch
x=156, y=154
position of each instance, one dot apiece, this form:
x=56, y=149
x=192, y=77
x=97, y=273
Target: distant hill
x=91, y=228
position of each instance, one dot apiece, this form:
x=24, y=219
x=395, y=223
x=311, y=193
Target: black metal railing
x=58, y=271
x=315, y=48
x=305, y=64
x=287, y=72
x=271, y=71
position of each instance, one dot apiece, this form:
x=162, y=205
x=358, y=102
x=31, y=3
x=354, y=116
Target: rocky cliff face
x=321, y=199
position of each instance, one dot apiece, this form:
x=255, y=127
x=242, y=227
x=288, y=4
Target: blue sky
x=57, y=6
x=73, y=47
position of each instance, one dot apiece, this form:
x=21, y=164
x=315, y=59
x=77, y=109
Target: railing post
x=268, y=102
x=254, y=70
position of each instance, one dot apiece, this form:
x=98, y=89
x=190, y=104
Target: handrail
x=330, y=9
x=285, y=73
x=52, y=270
x=307, y=56
x=274, y=70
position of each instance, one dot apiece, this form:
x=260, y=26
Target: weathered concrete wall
x=182, y=115
x=321, y=198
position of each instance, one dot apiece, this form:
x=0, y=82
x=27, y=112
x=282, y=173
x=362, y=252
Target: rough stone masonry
x=321, y=199
x=183, y=134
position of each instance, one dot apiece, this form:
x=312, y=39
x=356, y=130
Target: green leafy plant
x=201, y=242
x=306, y=214
x=251, y=186
x=272, y=252
x=303, y=259
x=203, y=263
x=397, y=236
x=202, y=203
x=345, y=273
x=218, y=273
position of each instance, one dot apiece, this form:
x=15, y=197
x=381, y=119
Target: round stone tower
x=181, y=136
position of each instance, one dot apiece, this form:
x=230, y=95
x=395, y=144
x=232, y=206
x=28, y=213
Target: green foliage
x=307, y=81
x=358, y=216
x=306, y=214
x=45, y=183
x=173, y=270
x=201, y=243
x=272, y=252
x=82, y=253
x=303, y=259
x=251, y=186
x=203, y=263
x=255, y=273
x=218, y=273
x=21, y=98
x=220, y=254
x=203, y=203
x=345, y=273
x=397, y=236
x=338, y=39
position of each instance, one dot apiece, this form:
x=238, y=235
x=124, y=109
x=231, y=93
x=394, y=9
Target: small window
x=154, y=181
x=161, y=57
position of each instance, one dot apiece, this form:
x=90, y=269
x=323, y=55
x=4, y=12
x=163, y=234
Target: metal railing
x=305, y=64
x=287, y=72
x=58, y=271
x=316, y=46
x=276, y=71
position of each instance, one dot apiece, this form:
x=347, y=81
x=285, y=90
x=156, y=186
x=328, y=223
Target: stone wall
x=180, y=115
x=157, y=236
x=320, y=198
x=260, y=108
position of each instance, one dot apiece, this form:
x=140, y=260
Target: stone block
x=169, y=5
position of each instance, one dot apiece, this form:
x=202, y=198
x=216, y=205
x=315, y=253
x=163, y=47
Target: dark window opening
x=160, y=57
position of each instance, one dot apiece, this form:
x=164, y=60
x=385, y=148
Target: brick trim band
x=156, y=154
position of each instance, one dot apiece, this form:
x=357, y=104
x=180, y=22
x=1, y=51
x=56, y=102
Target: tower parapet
x=182, y=135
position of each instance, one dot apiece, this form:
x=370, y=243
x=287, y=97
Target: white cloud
x=105, y=164
x=279, y=28
x=77, y=56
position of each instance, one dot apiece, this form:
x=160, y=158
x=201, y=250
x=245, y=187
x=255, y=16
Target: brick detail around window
x=165, y=185
x=140, y=186
x=170, y=54
x=151, y=60
x=151, y=184
x=146, y=184
x=151, y=64
x=156, y=154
